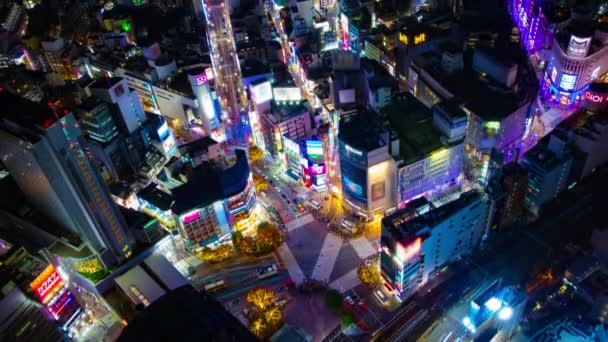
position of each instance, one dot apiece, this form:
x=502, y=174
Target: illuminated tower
x=43, y=151
x=228, y=81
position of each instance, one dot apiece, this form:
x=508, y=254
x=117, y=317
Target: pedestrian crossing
x=327, y=257
x=289, y=261
x=298, y=222
x=346, y=282
x=363, y=247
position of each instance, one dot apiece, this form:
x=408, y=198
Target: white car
x=381, y=296
x=349, y=300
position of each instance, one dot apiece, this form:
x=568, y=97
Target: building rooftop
x=412, y=122
x=281, y=111
x=486, y=98
x=542, y=157
x=207, y=184
x=253, y=67
x=105, y=83
x=198, y=146
x=156, y=197
x=419, y=214
x=32, y=117
x=362, y=130
x=186, y=313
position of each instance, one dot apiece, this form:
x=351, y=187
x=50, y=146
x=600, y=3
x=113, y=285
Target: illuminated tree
x=260, y=183
x=221, y=253
x=369, y=274
x=247, y=245
x=260, y=298
x=259, y=328
x=273, y=316
x=268, y=237
x=255, y=154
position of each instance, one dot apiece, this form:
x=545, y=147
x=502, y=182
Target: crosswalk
x=327, y=257
x=363, y=247
x=346, y=282
x=289, y=261
x=298, y=222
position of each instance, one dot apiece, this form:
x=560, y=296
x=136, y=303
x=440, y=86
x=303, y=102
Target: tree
x=260, y=298
x=255, y=154
x=247, y=245
x=347, y=319
x=369, y=274
x=268, y=237
x=260, y=183
x=221, y=253
x=333, y=300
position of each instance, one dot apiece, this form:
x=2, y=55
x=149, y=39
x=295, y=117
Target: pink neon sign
x=594, y=98
x=201, y=79
x=191, y=217
x=317, y=169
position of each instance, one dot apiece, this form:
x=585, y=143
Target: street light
x=505, y=313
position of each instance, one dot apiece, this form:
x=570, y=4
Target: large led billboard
x=261, y=92
x=567, y=82
x=314, y=148
x=352, y=187
x=287, y=94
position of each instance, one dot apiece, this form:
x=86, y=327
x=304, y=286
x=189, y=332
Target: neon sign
x=46, y=284
x=403, y=38
x=403, y=254
x=418, y=39
x=201, y=79
x=594, y=97
x=421, y=38
x=317, y=169
x=191, y=217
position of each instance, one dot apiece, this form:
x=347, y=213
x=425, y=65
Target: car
x=381, y=296
x=288, y=202
x=349, y=300
x=362, y=306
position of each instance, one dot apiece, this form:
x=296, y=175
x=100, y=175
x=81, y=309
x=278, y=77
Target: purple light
x=201, y=79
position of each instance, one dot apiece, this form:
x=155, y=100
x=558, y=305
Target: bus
x=215, y=286
x=346, y=224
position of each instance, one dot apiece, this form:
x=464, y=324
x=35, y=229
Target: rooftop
x=413, y=124
x=406, y=223
x=362, y=131
x=198, y=146
x=253, y=67
x=207, y=184
x=282, y=111
x=31, y=116
x=488, y=99
x=156, y=197
x=185, y=312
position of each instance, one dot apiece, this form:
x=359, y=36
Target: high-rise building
x=549, y=167
x=420, y=239
x=96, y=120
x=127, y=110
x=43, y=149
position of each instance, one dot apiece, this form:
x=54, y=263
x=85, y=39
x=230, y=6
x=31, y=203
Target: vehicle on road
x=381, y=296
x=349, y=300
x=314, y=204
x=267, y=271
x=215, y=286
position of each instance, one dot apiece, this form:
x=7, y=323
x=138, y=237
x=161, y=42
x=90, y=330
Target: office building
x=419, y=240
x=215, y=202
x=127, y=110
x=96, y=120
x=289, y=119
x=429, y=147
x=44, y=151
x=549, y=165
x=366, y=167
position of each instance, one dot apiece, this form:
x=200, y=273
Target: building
x=185, y=312
x=44, y=150
x=289, y=119
x=548, y=168
x=127, y=110
x=579, y=56
x=499, y=115
x=365, y=163
x=23, y=318
x=419, y=240
x=429, y=147
x=96, y=120
x=215, y=202
x=515, y=185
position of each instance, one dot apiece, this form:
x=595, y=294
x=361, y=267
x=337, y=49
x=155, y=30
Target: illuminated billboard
x=47, y=284
x=317, y=169
x=287, y=94
x=314, y=148
x=344, y=28
x=261, y=92
x=346, y=95
x=352, y=187
x=567, y=82
x=163, y=131
x=405, y=253
x=578, y=47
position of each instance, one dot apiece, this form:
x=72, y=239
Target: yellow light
x=439, y=155
x=403, y=38
x=421, y=38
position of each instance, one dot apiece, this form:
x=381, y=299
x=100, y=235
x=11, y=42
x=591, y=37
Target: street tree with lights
x=266, y=317
x=255, y=154
x=369, y=274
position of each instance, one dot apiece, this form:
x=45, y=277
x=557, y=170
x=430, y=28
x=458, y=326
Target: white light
x=493, y=304
x=505, y=313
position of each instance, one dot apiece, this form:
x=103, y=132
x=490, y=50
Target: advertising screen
x=163, y=130
x=317, y=169
x=378, y=191
x=314, y=148
x=261, y=93
x=169, y=144
x=287, y=94
x=347, y=96
x=567, y=82
x=344, y=28
x=579, y=47
x=46, y=284
x=352, y=187
x=291, y=146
